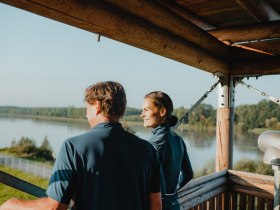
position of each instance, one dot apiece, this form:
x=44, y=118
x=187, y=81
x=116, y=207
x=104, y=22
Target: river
x=200, y=145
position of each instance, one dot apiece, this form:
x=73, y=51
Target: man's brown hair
x=111, y=96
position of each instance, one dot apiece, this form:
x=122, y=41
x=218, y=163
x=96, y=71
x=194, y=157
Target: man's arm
x=155, y=201
x=40, y=204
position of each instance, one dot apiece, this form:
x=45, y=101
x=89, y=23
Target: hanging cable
x=271, y=98
x=187, y=114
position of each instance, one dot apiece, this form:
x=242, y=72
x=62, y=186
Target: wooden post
x=224, y=130
x=224, y=127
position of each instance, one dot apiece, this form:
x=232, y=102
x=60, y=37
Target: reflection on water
x=200, y=145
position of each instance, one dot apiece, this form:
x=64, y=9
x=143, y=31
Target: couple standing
x=108, y=168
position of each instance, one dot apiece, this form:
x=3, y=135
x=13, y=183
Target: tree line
x=264, y=114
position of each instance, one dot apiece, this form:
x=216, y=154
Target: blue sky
x=47, y=63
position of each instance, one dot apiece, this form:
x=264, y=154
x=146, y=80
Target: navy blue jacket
x=177, y=169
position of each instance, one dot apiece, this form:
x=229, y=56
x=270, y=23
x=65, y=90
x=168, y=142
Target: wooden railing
x=225, y=190
x=206, y=192
x=250, y=191
x=228, y=190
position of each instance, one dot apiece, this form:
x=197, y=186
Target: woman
x=177, y=171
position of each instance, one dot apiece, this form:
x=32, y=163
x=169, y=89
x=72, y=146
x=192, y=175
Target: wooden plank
x=241, y=52
x=270, y=46
x=242, y=201
x=251, y=202
x=264, y=66
x=251, y=191
x=251, y=184
x=202, y=180
x=224, y=200
x=205, y=205
x=202, y=189
x=248, y=32
x=269, y=204
x=106, y=20
x=183, y=12
x=251, y=176
x=260, y=203
x=233, y=200
x=219, y=202
x=202, y=198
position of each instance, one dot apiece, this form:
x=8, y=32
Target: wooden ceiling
x=232, y=37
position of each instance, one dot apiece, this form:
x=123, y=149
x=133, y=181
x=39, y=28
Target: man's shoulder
x=138, y=141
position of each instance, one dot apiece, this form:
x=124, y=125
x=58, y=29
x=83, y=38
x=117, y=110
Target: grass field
x=8, y=192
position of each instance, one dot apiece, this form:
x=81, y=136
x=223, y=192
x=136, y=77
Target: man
x=105, y=168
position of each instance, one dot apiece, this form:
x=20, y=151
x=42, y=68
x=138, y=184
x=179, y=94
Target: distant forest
x=265, y=114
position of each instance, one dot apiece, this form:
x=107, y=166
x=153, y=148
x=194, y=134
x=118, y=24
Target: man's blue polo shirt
x=106, y=168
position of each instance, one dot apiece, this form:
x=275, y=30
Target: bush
x=45, y=151
x=27, y=148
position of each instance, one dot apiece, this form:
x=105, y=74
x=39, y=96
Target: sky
x=45, y=63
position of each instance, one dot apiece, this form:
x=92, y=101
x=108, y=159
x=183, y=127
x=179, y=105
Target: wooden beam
x=261, y=10
x=248, y=33
x=164, y=18
x=183, y=12
x=241, y=52
x=119, y=25
x=264, y=66
x=269, y=46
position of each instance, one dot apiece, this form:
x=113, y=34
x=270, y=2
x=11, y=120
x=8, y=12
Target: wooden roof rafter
x=196, y=20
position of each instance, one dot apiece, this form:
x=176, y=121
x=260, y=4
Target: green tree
x=45, y=151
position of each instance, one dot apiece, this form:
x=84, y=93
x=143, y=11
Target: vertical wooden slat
x=269, y=204
x=242, y=201
x=223, y=201
x=205, y=205
x=251, y=202
x=217, y=201
x=260, y=205
x=233, y=201
x=212, y=204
